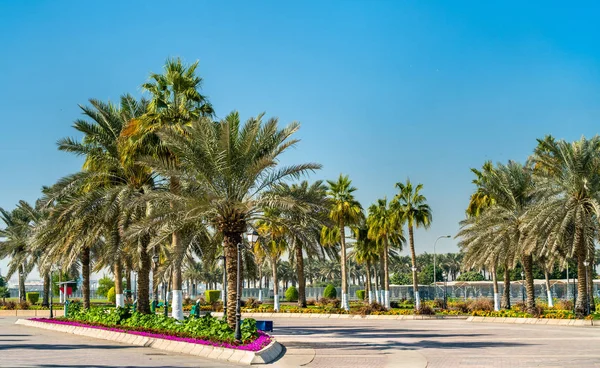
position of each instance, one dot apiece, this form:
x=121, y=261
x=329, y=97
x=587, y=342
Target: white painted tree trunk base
x=177, y=305
x=345, y=302
x=370, y=296
x=496, y=301
x=260, y=295
x=386, y=298
x=120, y=300
x=550, y=302
x=417, y=300
x=276, y=302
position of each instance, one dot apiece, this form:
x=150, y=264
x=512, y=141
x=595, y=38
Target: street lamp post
x=252, y=237
x=51, y=294
x=155, y=298
x=224, y=286
x=587, y=299
x=445, y=276
x=434, y=268
x=522, y=288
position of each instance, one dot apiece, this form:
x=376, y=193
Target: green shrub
x=110, y=295
x=291, y=294
x=330, y=292
x=104, y=285
x=360, y=294
x=470, y=276
x=32, y=297
x=212, y=296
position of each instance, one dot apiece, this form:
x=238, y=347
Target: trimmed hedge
x=212, y=296
x=360, y=294
x=291, y=294
x=111, y=295
x=330, y=292
x=32, y=297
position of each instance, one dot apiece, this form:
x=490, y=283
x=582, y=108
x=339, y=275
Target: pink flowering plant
x=206, y=330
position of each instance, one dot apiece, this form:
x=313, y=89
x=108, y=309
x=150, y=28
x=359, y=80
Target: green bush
x=212, y=296
x=32, y=297
x=360, y=294
x=104, y=285
x=206, y=327
x=330, y=292
x=470, y=276
x=110, y=295
x=291, y=294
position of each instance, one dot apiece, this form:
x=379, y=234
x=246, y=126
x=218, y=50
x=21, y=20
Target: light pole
x=522, y=288
x=224, y=286
x=434, y=268
x=416, y=292
x=587, y=298
x=154, y=279
x=252, y=237
x=51, y=293
x=445, y=276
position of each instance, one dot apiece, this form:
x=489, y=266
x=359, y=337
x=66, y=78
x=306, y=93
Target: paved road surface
x=317, y=343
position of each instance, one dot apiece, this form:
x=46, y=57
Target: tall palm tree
x=413, y=210
x=272, y=241
x=365, y=251
x=568, y=205
x=226, y=170
x=14, y=245
x=175, y=103
x=345, y=211
x=385, y=226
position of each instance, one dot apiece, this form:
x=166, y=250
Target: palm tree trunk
x=582, y=292
x=275, y=284
x=21, y=271
x=178, y=247
x=376, y=294
x=118, y=272
x=496, y=293
x=590, y=283
x=85, y=275
x=386, y=278
x=230, y=242
x=506, y=291
x=368, y=283
x=381, y=272
x=345, y=304
x=300, y=273
x=528, y=267
x=548, y=290
x=413, y=257
x=143, y=278
x=128, y=286
x=47, y=291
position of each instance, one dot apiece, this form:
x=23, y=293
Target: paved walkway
x=317, y=343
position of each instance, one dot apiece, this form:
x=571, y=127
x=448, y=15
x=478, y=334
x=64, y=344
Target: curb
x=535, y=321
x=346, y=316
x=264, y=356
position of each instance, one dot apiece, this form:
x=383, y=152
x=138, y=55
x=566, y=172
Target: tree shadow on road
x=62, y=347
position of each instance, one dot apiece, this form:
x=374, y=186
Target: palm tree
x=568, y=205
x=14, y=245
x=226, y=169
x=385, y=227
x=413, y=210
x=345, y=211
x=481, y=199
x=272, y=241
x=365, y=251
x=303, y=227
x=496, y=237
x=175, y=103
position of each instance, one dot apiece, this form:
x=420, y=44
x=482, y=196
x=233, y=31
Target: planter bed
x=264, y=349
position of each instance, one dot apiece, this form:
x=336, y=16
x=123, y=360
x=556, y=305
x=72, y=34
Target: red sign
x=69, y=290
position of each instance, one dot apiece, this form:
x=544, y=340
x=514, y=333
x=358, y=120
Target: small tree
x=291, y=294
x=470, y=276
x=4, y=293
x=104, y=284
x=110, y=295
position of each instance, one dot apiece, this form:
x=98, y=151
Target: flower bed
x=257, y=344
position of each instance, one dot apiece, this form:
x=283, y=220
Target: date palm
x=385, y=227
x=175, y=103
x=411, y=207
x=14, y=245
x=345, y=211
x=568, y=202
x=365, y=251
x=226, y=170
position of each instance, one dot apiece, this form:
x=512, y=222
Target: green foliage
x=291, y=294
x=206, y=327
x=426, y=274
x=104, y=285
x=4, y=293
x=212, y=296
x=32, y=297
x=401, y=278
x=361, y=294
x=65, y=276
x=330, y=292
x=110, y=295
x=2, y=282
x=470, y=276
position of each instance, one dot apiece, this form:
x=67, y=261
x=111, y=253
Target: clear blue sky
x=384, y=90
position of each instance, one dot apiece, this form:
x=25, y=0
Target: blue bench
x=266, y=326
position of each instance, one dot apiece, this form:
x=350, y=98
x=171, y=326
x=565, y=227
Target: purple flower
x=259, y=343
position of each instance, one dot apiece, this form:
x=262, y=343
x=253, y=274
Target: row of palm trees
x=163, y=179
x=545, y=211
